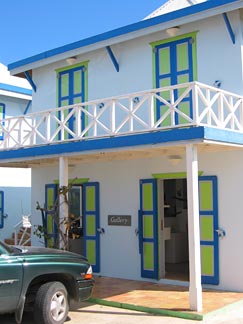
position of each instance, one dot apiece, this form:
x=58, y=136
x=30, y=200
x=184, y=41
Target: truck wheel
x=51, y=304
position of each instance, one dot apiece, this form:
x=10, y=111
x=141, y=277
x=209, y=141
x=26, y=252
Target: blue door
x=91, y=224
x=209, y=239
x=174, y=65
x=148, y=229
x=71, y=90
x=1, y=209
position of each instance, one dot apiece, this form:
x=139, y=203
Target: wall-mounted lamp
x=175, y=159
x=71, y=166
x=71, y=60
x=217, y=83
x=136, y=100
x=101, y=105
x=173, y=31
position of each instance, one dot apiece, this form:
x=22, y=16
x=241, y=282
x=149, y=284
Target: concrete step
x=11, y=240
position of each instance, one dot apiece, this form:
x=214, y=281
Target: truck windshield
x=4, y=248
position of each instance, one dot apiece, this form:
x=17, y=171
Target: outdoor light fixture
x=175, y=159
x=173, y=31
x=217, y=83
x=136, y=100
x=71, y=60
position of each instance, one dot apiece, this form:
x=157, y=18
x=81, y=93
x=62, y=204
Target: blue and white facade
x=148, y=119
x=15, y=183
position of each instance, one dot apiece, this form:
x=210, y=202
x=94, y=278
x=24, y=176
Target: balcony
x=186, y=105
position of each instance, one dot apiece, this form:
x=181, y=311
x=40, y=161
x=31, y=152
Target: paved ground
x=97, y=314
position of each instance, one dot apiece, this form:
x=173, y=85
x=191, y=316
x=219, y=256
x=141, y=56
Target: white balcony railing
x=189, y=104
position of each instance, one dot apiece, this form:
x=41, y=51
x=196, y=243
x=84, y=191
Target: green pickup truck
x=42, y=280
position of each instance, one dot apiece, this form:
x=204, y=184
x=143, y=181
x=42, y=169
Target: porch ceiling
x=122, y=154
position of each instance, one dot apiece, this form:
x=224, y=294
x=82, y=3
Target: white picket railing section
x=128, y=114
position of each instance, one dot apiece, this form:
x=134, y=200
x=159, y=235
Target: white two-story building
x=148, y=120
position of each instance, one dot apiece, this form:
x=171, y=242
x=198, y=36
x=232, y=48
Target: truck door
x=11, y=276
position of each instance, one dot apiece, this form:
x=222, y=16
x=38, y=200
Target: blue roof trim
x=224, y=136
x=12, y=88
x=174, y=135
x=123, y=30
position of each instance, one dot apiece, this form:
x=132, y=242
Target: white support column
x=193, y=229
x=63, y=181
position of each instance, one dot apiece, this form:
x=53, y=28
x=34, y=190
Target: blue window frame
x=174, y=65
x=1, y=209
x=71, y=90
x=2, y=116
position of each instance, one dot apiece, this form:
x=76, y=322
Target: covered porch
x=162, y=299
x=193, y=118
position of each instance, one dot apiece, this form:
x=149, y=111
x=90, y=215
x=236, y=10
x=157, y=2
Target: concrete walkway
x=93, y=314
x=161, y=299
x=119, y=301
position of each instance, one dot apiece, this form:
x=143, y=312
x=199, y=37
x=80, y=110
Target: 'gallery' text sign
x=120, y=220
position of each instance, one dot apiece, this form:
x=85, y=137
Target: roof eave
x=141, y=28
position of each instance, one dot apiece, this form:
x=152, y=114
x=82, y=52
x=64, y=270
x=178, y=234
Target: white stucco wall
x=119, y=195
x=16, y=185
x=13, y=106
x=17, y=202
x=6, y=78
x=217, y=59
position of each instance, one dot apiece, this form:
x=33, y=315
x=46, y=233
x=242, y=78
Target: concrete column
x=63, y=181
x=193, y=228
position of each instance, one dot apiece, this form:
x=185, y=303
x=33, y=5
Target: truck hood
x=24, y=251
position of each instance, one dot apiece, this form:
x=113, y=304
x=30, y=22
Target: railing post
x=20, y=132
x=48, y=127
x=62, y=118
x=113, y=116
x=95, y=119
x=151, y=110
x=172, y=110
x=130, y=114
x=195, y=108
x=209, y=117
x=33, y=137
x=232, y=123
x=221, y=109
x=241, y=114
x=6, y=135
x=78, y=121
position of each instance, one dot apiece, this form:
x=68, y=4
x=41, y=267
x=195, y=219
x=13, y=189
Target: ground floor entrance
x=173, y=215
x=163, y=223
x=82, y=226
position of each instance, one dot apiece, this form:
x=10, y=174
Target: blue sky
x=29, y=27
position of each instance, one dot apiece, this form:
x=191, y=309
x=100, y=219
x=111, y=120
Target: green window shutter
x=208, y=210
x=51, y=239
x=148, y=228
x=91, y=224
